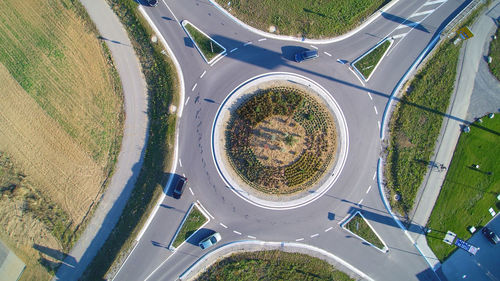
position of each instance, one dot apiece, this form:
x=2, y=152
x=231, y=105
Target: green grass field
x=272, y=265
x=193, y=222
x=468, y=193
x=360, y=227
x=308, y=18
x=207, y=46
x=367, y=64
x=495, y=55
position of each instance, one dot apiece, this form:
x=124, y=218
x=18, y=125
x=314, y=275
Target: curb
x=369, y=51
x=172, y=248
x=214, y=59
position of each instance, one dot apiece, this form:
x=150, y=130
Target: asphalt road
x=362, y=104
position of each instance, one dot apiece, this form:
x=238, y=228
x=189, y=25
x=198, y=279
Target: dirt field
x=60, y=125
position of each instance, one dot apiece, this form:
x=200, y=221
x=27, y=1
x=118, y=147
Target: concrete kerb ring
x=218, y=129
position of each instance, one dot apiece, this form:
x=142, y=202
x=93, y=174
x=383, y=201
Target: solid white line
x=314, y=235
x=360, y=201
x=346, y=216
x=158, y=267
x=221, y=57
x=359, y=78
x=203, y=74
x=374, y=175
x=300, y=239
x=376, y=112
x=233, y=50
x=186, y=101
x=205, y=209
x=194, y=87
x=399, y=35
x=237, y=232
x=251, y=237
x=412, y=25
x=434, y=2
x=171, y=12
x=328, y=54
x=378, y=122
x=262, y=39
x=368, y=190
x=247, y=43
x=370, y=95
x=223, y=225
x=184, y=175
x=422, y=13
x=328, y=229
x=180, y=162
x=192, y=193
x=314, y=47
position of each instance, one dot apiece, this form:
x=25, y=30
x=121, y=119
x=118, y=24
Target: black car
x=306, y=55
x=490, y=235
x=179, y=187
x=152, y=3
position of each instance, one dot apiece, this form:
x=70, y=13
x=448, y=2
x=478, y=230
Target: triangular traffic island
x=209, y=49
x=366, y=64
x=358, y=226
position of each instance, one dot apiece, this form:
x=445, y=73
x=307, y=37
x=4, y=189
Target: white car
x=210, y=241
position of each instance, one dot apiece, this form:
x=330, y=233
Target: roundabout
x=278, y=147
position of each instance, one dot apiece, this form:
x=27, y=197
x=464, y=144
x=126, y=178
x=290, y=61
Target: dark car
x=152, y=3
x=306, y=55
x=179, y=187
x=490, y=235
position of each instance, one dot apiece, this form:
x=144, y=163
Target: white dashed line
x=314, y=235
x=233, y=50
x=360, y=201
x=192, y=193
x=434, y=2
x=262, y=39
x=186, y=104
x=368, y=190
x=370, y=95
x=422, y=13
x=237, y=232
x=180, y=162
x=376, y=111
x=194, y=87
x=328, y=54
x=378, y=122
x=374, y=175
x=203, y=74
x=314, y=47
x=251, y=237
x=300, y=239
x=223, y=225
x=247, y=43
x=328, y=229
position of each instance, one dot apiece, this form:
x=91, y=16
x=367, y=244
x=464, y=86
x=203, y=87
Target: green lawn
x=309, y=18
x=207, y=46
x=193, y=222
x=495, y=55
x=272, y=265
x=368, y=63
x=468, y=193
x=360, y=227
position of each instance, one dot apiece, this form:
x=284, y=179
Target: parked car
x=210, y=241
x=179, y=187
x=306, y=55
x=152, y=3
x=490, y=235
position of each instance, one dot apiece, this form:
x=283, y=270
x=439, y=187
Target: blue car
x=210, y=241
x=306, y=55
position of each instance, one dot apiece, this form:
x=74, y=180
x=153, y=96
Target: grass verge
x=495, y=55
x=312, y=19
x=358, y=225
x=369, y=62
x=272, y=265
x=161, y=79
x=468, y=193
x=205, y=44
x=193, y=222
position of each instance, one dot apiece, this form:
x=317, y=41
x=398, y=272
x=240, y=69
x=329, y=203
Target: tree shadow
x=404, y=21
x=53, y=253
x=317, y=13
x=112, y=41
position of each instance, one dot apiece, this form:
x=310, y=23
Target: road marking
x=262, y=39
x=237, y=232
x=180, y=162
x=194, y=87
x=233, y=50
x=434, y=2
x=248, y=43
x=314, y=47
x=328, y=229
x=360, y=201
x=328, y=54
x=251, y=237
x=184, y=175
x=158, y=267
x=368, y=190
x=370, y=95
x=399, y=35
x=376, y=112
x=422, y=13
x=300, y=239
x=378, y=122
x=186, y=104
x=171, y=12
x=203, y=74
x=223, y=225
x=192, y=193
x=359, y=78
x=205, y=209
x=346, y=216
x=412, y=25
x=374, y=175
x=314, y=235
